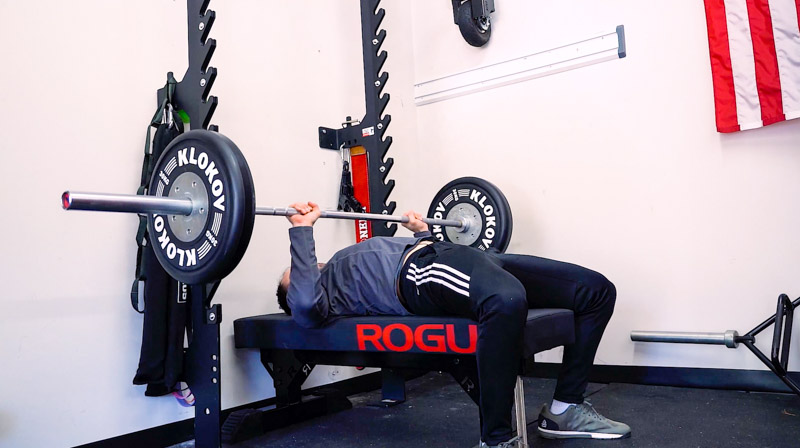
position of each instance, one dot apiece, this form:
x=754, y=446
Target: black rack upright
x=191, y=93
x=370, y=132
x=202, y=358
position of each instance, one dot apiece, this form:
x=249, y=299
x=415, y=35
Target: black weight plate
x=492, y=214
x=219, y=241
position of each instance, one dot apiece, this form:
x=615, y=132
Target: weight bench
x=396, y=344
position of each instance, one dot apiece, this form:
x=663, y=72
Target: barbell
x=131, y=203
x=200, y=209
x=729, y=338
x=777, y=362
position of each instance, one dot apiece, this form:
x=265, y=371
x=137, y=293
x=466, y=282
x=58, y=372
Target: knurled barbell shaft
x=335, y=214
x=131, y=203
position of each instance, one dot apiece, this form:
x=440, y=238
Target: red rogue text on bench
x=435, y=338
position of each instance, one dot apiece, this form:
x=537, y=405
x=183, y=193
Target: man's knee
x=601, y=292
x=507, y=300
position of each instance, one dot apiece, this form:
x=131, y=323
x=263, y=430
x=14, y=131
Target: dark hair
x=281, y=293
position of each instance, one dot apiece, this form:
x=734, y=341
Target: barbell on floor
x=778, y=359
x=200, y=209
x=728, y=338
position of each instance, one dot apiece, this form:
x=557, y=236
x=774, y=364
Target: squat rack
x=369, y=131
x=202, y=367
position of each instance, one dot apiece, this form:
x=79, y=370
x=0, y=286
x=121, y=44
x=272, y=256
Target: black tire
x=222, y=239
x=495, y=223
x=475, y=33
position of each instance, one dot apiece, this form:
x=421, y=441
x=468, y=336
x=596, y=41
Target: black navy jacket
x=358, y=280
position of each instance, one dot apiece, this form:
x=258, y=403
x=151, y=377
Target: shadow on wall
x=6, y=423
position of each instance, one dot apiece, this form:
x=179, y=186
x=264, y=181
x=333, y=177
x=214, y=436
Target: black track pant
x=445, y=279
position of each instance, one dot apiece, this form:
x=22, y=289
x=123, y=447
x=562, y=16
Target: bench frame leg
x=465, y=372
x=288, y=375
x=519, y=412
x=393, y=387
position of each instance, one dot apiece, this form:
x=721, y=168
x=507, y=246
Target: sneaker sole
x=550, y=434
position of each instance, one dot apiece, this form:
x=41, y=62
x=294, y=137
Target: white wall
x=615, y=166
x=618, y=167
x=77, y=90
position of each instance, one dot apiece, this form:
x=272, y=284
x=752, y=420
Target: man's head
x=283, y=288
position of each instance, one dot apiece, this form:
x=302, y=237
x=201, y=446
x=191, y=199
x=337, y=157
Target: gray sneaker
x=580, y=421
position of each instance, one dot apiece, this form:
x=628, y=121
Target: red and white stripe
x=755, y=61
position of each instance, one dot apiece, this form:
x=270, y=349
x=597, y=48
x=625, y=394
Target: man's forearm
x=306, y=297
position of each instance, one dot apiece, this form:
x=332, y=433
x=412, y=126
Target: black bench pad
x=545, y=329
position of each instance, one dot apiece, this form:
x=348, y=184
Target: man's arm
x=305, y=296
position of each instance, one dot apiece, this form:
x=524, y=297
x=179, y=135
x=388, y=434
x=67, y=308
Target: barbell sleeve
x=131, y=203
x=728, y=338
x=335, y=214
x=125, y=203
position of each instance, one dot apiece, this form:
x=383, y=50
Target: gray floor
x=439, y=414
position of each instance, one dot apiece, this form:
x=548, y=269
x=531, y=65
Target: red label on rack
x=358, y=166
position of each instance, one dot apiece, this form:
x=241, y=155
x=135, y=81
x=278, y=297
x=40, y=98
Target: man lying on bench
x=422, y=276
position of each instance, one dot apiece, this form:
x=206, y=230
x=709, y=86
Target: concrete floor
x=439, y=414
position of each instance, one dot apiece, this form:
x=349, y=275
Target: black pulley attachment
x=479, y=202
x=473, y=20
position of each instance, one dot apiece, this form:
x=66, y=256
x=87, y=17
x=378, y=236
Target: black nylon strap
x=147, y=166
x=147, y=172
x=347, y=198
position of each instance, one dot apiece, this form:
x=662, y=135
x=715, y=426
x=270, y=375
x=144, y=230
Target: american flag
x=755, y=61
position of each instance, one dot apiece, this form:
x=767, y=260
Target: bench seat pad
x=544, y=329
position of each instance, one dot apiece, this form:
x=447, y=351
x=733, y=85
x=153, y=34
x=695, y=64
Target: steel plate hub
x=189, y=186
x=469, y=233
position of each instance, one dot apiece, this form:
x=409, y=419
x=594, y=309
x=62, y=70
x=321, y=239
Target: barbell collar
x=727, y=338
x=125, y=203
